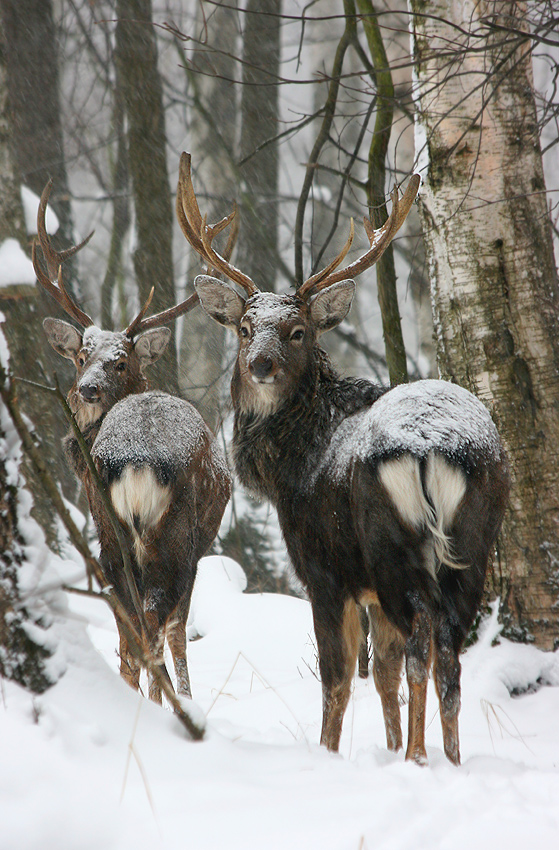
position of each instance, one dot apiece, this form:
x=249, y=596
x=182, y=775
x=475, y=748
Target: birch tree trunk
x=493, y=277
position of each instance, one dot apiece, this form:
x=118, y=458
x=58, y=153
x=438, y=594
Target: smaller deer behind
x=387, y=498
x=164, y=471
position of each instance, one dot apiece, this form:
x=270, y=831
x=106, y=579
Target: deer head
x=277, y=333
x=109, y=364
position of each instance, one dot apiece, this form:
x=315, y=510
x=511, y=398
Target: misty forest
x=196, y=506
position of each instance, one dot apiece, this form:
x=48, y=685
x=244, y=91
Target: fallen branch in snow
x=195, y=729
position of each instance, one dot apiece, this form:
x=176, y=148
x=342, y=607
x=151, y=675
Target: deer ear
x=151, y=344
x=64, y=338
x=220, y=301
x=330, y=306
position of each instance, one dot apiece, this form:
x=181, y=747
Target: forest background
x=305, y=116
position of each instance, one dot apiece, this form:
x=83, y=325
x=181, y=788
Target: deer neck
x=276, y=454
x=89, y=418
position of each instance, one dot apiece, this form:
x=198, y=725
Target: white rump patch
x=138, y=495
x=435, y=507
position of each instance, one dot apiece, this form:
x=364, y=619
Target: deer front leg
x=388, y=657
x=338, y=635
x=129, y=665
x=156, y=644
x=418, y=658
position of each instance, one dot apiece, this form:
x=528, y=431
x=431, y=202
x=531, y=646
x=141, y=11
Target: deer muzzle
x=89, y=392
x=262, y=369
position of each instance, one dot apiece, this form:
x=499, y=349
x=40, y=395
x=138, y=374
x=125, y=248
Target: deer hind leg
x=388, y=657
x=338, y=638
x=176, y=636
x=418, y=659
x=363, y=666
x=447, y=682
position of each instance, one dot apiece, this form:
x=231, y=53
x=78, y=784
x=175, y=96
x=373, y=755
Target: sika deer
x=165, y=472
x=391, y=499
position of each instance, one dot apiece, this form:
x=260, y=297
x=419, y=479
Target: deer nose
x=261, y=367
x=89, y=392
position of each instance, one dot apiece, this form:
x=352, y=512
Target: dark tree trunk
x=259, y=116
x=33, y=87
x=21, y=659
x=212, y=134
x=136, y=59
x=376, y=188
x=24, y=307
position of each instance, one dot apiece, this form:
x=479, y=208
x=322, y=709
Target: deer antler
x=200, y=234
x=53, y=260
x=379, y=241
x=140, y=324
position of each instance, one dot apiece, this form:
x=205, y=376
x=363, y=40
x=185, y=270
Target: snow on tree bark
x=493, y=277
x=22, y=652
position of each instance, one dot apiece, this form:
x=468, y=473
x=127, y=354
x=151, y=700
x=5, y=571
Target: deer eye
x=297, y=335
x=120, y=366
x=244, y=331
x=81, y=359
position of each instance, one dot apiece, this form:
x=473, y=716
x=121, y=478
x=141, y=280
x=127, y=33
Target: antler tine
x=184, y=189
x=217, y=261
x=139, y=324
x=379, y=241
x=54, y=260
x=231, y=239
x=316, y=278
x=136, y=324
x=199, y=234
x=233, y=236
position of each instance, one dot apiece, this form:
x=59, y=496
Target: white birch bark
x=493, y=277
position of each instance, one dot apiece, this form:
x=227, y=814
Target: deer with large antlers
x=163, y=469
x=390, y=499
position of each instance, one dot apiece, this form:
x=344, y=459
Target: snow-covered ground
x=90, y=765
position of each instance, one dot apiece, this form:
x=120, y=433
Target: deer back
x=162, y=466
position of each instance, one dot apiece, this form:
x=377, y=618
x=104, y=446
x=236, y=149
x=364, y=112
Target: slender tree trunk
x=121, y=219
x=493, y=275
x=376, y=188
x=23, y=307
x=212, y=134
x=12, y=221
x=259, y=153
x=136, y=58
x=329, y=226
x=33, y=82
